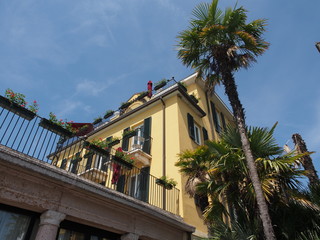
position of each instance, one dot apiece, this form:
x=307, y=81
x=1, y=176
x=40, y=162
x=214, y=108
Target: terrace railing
x=27, y=133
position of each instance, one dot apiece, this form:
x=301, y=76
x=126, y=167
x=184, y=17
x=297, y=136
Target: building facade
x=86, y=187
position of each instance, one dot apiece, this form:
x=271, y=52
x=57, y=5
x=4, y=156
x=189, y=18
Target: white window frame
x=197, y=134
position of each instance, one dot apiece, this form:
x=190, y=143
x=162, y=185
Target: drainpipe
x=163, y=149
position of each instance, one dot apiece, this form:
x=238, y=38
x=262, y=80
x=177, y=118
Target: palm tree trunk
x=238, y=111
x=306, y=160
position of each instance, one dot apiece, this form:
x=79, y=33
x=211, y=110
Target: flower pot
x=95, y=148
x=160, y=85
x=114, y=142
x=125, y=105
x=88, y=154
x=164, y=184
x=99, y=120
x=194, y=98
x=160, y=182
x=107, y=115
x=122, y=162
x=182, y=87
x=129, y=134
x=142, y=95
x=15, y=108
x=46, y=124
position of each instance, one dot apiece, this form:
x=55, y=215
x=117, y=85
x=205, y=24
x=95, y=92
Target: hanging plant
x=98, y=146
x=160, y=84
x=15, y=102
x=97, y=120
x=124, y=105
x=55, y=128
x=114, y=141
x=167, y=183
x=194, y=98
x=108, y=114
x=142, y=95
x=88, y=154
x=182, y=86
x=129, y=133
x=123, y=158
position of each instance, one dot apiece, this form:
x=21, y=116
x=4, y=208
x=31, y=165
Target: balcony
x=142, y=158
x=31, y=136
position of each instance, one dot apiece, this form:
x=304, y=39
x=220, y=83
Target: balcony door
x=139, y=185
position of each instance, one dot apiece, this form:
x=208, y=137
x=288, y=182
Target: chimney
x=149, y=89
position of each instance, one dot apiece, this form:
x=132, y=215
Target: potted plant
x=123, y=159
x=98, y=146
x=160, y=84
x=194, y=98
x=142, y=95
x=124, y=105
x=108, y=114
x=15, y=102
x=182, y=86
x=88, y=154
x=114, y=141
x=59, y=127
x=129, y=133
x=167, y=183
x=97, y=120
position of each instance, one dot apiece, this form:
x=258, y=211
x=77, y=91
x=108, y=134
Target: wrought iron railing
x=35, y=137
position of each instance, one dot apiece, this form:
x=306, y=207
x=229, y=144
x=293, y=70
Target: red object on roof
x=149, y=89
x=83, y=131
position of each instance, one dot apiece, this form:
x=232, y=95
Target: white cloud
x=91, y=88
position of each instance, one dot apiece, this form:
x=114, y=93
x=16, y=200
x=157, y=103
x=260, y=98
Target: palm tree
x=216, y=45
x=227, y=179
x=306, y=161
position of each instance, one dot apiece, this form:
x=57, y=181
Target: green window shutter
x=121, y=183
x=63, y=164
x=125, y=141
x=89, y=162
x=74, y=166
x=191, y=126
x=223, y=121
x=205, y=134
x=147, y=135
x=104, y=162
x=215, y=117
x=144, y=184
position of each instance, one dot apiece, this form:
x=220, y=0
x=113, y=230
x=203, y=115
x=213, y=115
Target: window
x=141, y=140
x=197, y=136
x=138, y=140
x=216, y=118
x=194, y=130
x=74, y=231
x=134, y=187
x=101, y=162
x=15, y=223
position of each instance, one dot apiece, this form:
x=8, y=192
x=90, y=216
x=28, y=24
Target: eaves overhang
x=175, y=89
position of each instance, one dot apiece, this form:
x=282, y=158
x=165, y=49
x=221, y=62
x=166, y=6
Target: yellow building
x=165, y=124
x=174, y=118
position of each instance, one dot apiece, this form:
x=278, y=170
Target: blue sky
x=81, y=58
